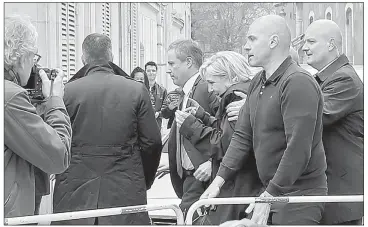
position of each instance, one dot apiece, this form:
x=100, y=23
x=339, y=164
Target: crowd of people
x=241, y=126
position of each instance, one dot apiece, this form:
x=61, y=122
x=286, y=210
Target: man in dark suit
x=342, y=119
x=184, y=60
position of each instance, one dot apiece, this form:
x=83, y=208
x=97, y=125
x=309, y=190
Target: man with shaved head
x=342, y=119
x=281, y=122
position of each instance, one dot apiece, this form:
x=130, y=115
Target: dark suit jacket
x=160, y=94
x=210, y=104
x=342, y=138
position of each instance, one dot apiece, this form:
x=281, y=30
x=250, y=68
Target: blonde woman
x=228, y=74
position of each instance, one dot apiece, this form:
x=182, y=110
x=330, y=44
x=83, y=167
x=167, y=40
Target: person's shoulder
x=13, y=90
x=346, y=72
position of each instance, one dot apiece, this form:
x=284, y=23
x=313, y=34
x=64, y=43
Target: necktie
x=178, y=140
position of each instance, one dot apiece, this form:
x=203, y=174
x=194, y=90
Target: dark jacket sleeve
x=339, y=95
x=198, y=133
x=240, y=146
x=149, y=137
x=300, y=98
x=43, y=143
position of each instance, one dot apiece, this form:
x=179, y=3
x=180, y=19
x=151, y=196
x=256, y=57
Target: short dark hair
x=97, y=48
x=187, y=48
x=150, y=63
x=140, y=70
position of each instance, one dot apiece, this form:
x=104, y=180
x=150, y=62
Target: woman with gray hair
x=29, y=141
x=228, y=74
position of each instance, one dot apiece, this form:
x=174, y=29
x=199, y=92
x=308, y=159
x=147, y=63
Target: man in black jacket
x=116, y=143
x=343, y=119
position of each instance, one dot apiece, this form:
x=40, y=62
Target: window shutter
x=106, y=19
x=68, y=51
x=134, y=34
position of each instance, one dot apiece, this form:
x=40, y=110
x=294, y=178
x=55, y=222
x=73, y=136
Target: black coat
x=217, y=131
x=116, y=146
x=210, y=104
x=343, y=134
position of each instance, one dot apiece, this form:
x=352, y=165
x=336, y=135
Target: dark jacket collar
x=331, y=69
x=275, y=77
x=105, y=67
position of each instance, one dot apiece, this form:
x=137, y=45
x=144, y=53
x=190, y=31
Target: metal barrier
x=93, y=213
x=248, y=200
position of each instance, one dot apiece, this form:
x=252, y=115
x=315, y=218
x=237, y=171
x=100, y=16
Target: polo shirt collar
x=275, y=77
x=333, y=67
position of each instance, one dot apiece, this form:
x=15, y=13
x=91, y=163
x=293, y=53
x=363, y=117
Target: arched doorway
x=328, y=16
x=328, y=13
x=311, y=17
x=349, y=33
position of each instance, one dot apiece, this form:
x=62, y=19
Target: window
x=328, y=13
x=106, y=18
x=311, y=17
x=68, y=54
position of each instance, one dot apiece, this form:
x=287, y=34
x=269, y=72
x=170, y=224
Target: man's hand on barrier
x=203, y=173
x=233, y=108
x=261, y=211
x=214, y=189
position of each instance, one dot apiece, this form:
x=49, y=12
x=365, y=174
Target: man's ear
x=83, y=60
x=274, y=41
x=332, y=45
x=189, y=61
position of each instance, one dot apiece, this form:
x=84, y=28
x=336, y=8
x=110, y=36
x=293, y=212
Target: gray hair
x=20, y=39
x=97, y=48
x=228, y=64
x=187, y=48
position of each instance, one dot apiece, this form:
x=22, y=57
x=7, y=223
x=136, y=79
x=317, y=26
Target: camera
x=34, y=85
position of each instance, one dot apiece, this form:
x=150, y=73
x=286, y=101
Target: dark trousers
x=193, y=189
x=299, y=213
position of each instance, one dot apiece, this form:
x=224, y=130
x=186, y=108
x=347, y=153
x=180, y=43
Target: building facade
x=348, y=16
x=139, y=31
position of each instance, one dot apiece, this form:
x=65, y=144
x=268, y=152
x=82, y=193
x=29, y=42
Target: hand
x=261, y=211
x=203, y=173
x=214, y=189
x=156, y=114
x=193, y=103
x=233, y=108
x=58, y=86
x=180, y=117
x=192, y=110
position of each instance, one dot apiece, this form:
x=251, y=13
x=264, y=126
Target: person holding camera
x=30, y=141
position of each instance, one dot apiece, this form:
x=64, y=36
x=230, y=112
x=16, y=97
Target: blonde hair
x=20, y=38
x=230, y=64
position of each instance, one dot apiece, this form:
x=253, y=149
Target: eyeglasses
x=36, y=58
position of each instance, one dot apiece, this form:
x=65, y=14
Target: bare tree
x=223, y=26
